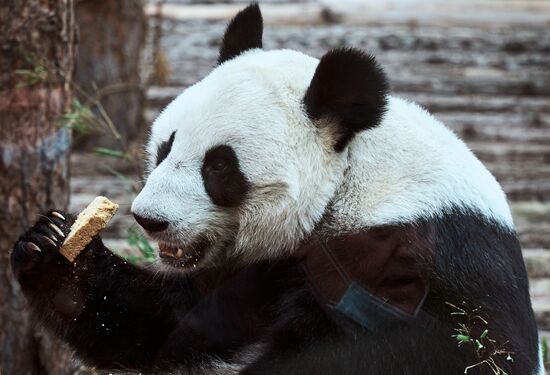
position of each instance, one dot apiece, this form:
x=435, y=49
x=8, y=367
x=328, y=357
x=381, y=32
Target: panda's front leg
x=114, y=314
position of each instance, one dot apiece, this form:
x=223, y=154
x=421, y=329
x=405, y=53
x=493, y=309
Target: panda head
x=242, y=165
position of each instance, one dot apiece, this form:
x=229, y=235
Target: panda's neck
x=409, y=168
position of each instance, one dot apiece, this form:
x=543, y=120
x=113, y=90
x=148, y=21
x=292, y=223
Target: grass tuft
x=486, y=349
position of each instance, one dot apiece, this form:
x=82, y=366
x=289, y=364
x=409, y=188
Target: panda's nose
x=151, y=225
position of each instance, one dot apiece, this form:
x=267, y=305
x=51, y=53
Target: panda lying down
x=309, y=223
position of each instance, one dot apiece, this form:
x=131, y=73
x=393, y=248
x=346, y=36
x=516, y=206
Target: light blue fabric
x=366, y=309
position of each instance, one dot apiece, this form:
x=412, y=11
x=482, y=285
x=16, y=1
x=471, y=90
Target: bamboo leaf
x=109, y=152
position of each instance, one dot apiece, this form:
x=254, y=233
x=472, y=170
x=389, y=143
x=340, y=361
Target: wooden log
x=108, y=64
x=36, y=61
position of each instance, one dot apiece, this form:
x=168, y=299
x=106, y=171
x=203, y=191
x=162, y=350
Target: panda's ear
x=243, y=33
x=347, y=94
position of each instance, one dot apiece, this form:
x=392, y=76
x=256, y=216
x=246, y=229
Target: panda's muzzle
x=188, y=256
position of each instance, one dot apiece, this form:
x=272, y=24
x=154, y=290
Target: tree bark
x=111, y=37
x=36, y=64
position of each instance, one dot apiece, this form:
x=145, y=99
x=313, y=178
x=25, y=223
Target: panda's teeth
x=189, y=256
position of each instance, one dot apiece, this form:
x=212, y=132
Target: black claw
x=39, y=246
x=32, y=247
x=58, y=215
x=49, y=240
x=52, y=237
x=56, y=229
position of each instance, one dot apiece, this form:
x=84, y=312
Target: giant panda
x=308, y=223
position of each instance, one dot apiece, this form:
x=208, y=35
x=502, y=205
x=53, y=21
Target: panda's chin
x=189, y=256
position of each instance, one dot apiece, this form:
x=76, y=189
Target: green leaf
x=484, y=334
x=30, y=77
x=137, y=240
x=545, y=351
x=79, y=119
x=479, y=345
x=109, y=152
x=462, y=338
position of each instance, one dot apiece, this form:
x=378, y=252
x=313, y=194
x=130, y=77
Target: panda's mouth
x=188, y=256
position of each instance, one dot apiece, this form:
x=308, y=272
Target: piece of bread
x=88, y=224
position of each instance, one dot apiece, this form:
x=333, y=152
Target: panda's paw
x=40, y=245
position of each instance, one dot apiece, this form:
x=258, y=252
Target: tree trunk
x=111, y=37
x=36, y=63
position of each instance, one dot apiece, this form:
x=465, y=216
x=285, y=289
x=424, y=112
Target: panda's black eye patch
x=223, y=180
x=164, y=148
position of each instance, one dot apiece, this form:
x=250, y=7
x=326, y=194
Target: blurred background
x=81, y=82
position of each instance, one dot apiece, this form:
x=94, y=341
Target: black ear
x=243, y=33
x=348, y=93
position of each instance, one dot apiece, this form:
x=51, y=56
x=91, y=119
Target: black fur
x=348, y=90
x=478, y=265
x=165, y=148
x=223, y=180
x=243, y=33
x=117, y=315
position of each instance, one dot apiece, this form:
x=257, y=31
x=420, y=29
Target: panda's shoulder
x=412, y=166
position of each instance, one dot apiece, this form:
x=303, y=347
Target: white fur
x=409, y=167
x=413, y=167
x=212, y=365
x=252, y=103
